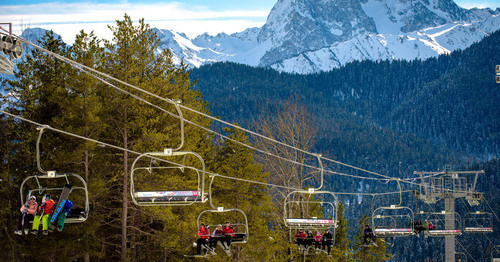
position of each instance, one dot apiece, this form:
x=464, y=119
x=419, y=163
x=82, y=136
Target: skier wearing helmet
x=28, y=212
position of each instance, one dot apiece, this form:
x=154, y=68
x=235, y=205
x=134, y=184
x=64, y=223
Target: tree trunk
x=125, y=190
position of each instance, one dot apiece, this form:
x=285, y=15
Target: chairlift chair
x=478, y=222
x=304, y=199
x=186, y=196
x=393, y=221
x=76, y=215
x=241, y=227
x=439, y=221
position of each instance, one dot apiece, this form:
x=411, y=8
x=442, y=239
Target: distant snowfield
x=369, y=31
x=420, y=44
x=372, y=30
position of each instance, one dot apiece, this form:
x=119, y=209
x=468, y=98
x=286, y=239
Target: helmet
x=32, y=198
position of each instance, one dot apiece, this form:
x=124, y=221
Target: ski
x=59, y=206
x=227, y=250
x=203, y=256
x=26, y=205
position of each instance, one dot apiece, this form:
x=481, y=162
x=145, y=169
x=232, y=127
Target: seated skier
x=327, y=240
x=203, y=238
x=228, y=233
x=216, y=237
x=317, y=240
x=28, y=212
x=368, y=234
x=300, y=238
x=62, y=216
x=44, y=212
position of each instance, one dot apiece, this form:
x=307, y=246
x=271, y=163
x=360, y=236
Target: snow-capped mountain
x=306, y=36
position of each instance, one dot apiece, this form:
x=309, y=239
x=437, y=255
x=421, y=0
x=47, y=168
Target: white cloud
x=68, y=19
x=478, y=4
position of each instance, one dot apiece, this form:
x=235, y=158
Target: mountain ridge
x=305, y=36
x=400, y=95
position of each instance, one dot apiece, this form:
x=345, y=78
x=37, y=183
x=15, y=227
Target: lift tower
x=449, y=185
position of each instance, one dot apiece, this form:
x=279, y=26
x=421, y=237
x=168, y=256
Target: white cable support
x=88, y=71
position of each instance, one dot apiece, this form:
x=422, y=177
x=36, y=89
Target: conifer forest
x=118, y=120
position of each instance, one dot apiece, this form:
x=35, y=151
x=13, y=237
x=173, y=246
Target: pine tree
x=341, y=247
x=234, y=160
x=43, y=88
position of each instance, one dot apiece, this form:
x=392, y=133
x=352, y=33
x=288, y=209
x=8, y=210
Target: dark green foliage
x=51, y=92
x=341, y=249
x=428, y=98
x=392, y=117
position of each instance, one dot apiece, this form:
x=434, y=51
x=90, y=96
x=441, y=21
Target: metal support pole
x=449, y=217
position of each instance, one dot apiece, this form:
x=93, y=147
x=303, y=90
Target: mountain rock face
x=307, y=36
x=297, y=25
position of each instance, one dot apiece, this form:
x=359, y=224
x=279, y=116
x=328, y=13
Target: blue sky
x=192, y=17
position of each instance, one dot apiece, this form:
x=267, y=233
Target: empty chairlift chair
x=154, y=170
x=299, y=205
x=478, y=222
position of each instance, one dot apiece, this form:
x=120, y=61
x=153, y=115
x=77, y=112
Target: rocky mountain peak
x=297, y=25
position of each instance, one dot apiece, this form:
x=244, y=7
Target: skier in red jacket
x=300, y=237
x=228, y=233
x=44, y=212
x=203, y=236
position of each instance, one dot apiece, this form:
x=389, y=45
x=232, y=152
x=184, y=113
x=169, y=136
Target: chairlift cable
x=207, y=172
x=83, y=68
x=492, y=211
x=131, y=151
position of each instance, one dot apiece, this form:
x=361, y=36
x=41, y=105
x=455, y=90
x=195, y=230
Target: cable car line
x=84, y=68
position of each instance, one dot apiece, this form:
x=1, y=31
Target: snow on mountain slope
x=403, y=16
x=297, y=25
x=421, y=44
x=306, y=36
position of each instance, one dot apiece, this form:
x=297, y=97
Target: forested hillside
x=95, y=130
x=450, y=100
x=392, y=117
